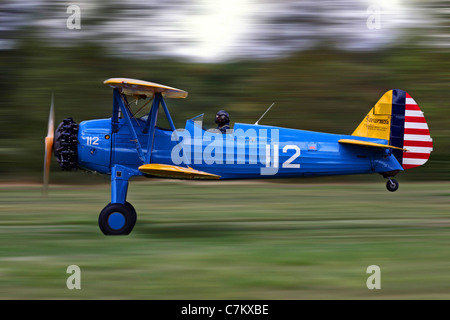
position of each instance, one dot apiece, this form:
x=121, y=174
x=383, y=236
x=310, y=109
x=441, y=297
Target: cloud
x=216, y=30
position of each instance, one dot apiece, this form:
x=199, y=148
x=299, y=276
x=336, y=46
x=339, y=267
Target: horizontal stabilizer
x=175, y=172
x=366, y=143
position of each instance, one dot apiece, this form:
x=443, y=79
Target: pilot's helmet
x=222, y=117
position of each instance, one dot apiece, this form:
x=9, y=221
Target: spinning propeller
x=49, y=146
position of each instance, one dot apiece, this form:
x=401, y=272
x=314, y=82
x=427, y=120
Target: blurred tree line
x=320, y=90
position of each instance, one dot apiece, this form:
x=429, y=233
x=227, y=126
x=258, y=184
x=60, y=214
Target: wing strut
x=119, y=104
x=150, y=126
x=172, y=126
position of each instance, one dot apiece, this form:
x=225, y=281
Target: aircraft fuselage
x=249, y=151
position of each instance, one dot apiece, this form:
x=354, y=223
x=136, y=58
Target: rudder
x=416, y=139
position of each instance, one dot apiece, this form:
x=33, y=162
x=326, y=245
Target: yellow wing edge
x=369, y=144
x=139, y=87
x=175, y=172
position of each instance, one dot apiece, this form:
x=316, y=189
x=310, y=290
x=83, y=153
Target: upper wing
x=139, y=87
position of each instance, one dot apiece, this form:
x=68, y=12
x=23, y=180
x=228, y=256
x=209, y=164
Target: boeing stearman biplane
x=393, y=137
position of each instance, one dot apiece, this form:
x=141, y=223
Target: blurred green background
x=289, y=239
x=320, y=88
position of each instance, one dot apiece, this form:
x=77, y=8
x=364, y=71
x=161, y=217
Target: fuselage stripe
x=417, y=131
x=414, y=143
x=412, y=155
x=413, y=113
x=416, y=125
x=418, y=149
x=414, y=161
x=417, y=137
x=417, y=140
x=412, y=107
x=410, y=101
x=415, y=119
x=397, y=127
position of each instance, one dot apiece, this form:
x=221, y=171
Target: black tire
x=117, y=219
x=392, y=185
x=129, y=205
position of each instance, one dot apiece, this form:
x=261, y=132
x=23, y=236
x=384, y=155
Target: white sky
x=218, y=30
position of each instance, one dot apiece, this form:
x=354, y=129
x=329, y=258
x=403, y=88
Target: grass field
x=229, y=240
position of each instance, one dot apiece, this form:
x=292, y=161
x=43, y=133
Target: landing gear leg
x=392, y=185
x=119, y=216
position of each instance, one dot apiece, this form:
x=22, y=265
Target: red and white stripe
x=416, y=139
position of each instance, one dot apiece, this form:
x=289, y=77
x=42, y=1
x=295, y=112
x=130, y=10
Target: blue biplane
x=394, y=136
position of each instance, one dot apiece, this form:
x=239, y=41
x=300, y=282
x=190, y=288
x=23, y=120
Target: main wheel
x=392, y=185
x=130, y=206
x=117, y=219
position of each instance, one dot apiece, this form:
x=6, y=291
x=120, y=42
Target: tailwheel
x=117, y=219
x=392, y=185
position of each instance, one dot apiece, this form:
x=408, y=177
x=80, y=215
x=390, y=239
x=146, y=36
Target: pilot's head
x=222, y=118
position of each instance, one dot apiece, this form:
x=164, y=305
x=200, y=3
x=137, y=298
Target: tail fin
x=397, y=118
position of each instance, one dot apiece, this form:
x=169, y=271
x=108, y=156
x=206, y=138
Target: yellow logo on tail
x=377, y=123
